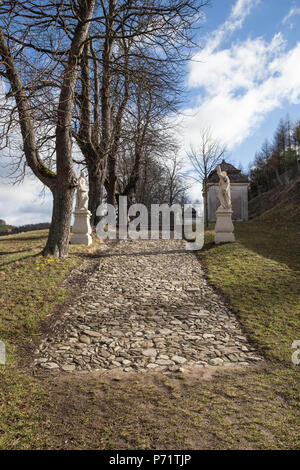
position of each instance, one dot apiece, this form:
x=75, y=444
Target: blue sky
x=243, y=79
x=247, y=74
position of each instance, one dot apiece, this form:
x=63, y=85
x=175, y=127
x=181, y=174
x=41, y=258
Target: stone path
x=146, y=307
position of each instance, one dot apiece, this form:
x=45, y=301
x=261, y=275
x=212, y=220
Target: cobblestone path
x=146, y=307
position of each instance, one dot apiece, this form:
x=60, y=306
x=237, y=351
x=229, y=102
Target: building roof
x=235, y=175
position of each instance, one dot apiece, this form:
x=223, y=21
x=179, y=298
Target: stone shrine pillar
x=224, y=226
x=81, y=230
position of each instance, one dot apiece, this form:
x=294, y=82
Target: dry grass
x=30, y=289
x=245, y=409
x=260, y=277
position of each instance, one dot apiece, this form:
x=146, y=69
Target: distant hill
x=280, y=205
x=5, y=228
x=10, y=229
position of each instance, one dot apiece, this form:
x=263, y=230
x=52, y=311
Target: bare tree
x=204, y=158
x=44, y=44
x=147, y=142
x=175, y=179
x=141, y=44
x=20, y=29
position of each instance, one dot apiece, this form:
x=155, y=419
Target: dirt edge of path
x=73, y=283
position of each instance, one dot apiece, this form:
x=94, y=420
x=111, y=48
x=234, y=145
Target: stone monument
x=224, y=226
x=239, y=184
x=81, y=230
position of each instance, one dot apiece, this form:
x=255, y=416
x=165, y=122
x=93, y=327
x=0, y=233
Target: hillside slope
x=6, y=228
x=279, y=205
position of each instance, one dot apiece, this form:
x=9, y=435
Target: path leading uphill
x=146, y=307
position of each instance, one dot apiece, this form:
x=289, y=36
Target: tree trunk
x=277, y=176
x=63, y=184
x=96, y=185
x=205, y=199
x=206, y=209
x=59, y=233
x=112, y=181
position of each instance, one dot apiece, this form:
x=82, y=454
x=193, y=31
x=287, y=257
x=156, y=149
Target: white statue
x=224, y=189
x=82, y=197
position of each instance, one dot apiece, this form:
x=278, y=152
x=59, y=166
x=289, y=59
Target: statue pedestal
x=224, y=226
x=81, y=230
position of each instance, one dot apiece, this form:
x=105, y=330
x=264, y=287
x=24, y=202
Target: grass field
x=247, y=409
x=30, y=289
x=4, y=228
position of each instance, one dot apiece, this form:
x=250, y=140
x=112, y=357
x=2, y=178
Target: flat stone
x=117, y=334
x=143, y=312
x=50, y=365
x=150, y=352
x=126, y=362
x=41, y=360
x=116, y=363
x=85, y=339
x=152, y=366
x=163, y=362
x=174, y=368
x=178, y=359
x=104, y=353
x=94, y=334
x=68, y=367
x=254, y=358
x=217, y=361
x=165, y=331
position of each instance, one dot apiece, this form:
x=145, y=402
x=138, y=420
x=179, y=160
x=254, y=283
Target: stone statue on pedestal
x=81, y=230
x=82, y=195
x=224, y=226
x=224, y=189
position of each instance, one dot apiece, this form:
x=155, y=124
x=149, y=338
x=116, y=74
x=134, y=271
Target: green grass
x=255, y=408
x=260, y=276
x=29, y=284
x=21, y=400
x=30, y=289
x=247, y=409
x=4, y=228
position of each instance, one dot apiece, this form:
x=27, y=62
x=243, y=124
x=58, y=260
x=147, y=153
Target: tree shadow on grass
x=208, y=246
x=3, y=253
x=14, y=238
x=281, y=245
x=19, y=259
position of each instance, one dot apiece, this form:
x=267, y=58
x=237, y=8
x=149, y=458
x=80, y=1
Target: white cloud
x=239, y=12
x=30, y=201
x=240, y=66
x=235, y=88
x=195, y=193
x=22, y=204
x=293, y=12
